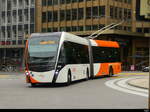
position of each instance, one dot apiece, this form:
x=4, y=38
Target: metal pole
x=108, y=29
x=101, y=29
x=149, y=74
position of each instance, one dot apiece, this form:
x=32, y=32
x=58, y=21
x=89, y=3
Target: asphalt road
x=91, y=94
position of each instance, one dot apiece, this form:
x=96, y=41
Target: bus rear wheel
x=111, y=72
x=87, y=74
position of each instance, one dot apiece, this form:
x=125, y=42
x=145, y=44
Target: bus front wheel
x=69, y=78
x=33, y=84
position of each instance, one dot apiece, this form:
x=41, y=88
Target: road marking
x=4, y=76
x=124, y=84
x=133, y=73
x=10, y=77
x=121, y=85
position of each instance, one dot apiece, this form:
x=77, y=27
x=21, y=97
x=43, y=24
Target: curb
x=135, y=85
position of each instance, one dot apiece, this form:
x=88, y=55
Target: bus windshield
x=42, y=52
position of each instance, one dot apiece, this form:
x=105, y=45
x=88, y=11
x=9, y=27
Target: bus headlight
x=56, y=72
x=27, y=73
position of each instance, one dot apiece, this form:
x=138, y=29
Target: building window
x=68, y=29
x=9, y=5
x=74, y=28
x=129, y=29
x=50, y=2
x=74, y=14
x=139, y=30
x=146, y=30
x=125, y=1
x=88, y=13
x=74, y=1
x=49, y=16
x=116, y=12
x=26, y=2
x=62, y=28
x=80, y=28
x=62, y=1
x=44, y=30
x=125, y=13
x=49, y=30
x=120, y=13
x=55, y=15
x=55, y=29
x=102, y=10
x=68, y=1
x=95, y=27
x=32, y=15
x=26, y=15
x=62, y=15
x=95, y=12
x=129, y=1
x=20, y=15
x=80, y=13
x=68, y=14
x=43, y=17
x=88, y=27
x=44, y=2
x=32, y=2
x=31, y=28
x=55, y=2
x=80, y=0
x=111, y=11
x=25, y=29
x=129, y=13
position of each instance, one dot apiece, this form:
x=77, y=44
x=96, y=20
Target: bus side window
x=68, y=52
x=76, y=53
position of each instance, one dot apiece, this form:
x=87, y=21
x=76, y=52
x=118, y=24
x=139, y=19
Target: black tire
x=69, y=80
x=87, y=74
x=33, y=84
x=111, y=73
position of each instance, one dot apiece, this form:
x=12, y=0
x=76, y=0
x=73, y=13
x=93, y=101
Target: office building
x=16, y=24
x=83, y=17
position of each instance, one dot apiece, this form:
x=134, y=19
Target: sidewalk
x=140, y=82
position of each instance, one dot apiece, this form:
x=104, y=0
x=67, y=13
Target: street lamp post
x=149, y=73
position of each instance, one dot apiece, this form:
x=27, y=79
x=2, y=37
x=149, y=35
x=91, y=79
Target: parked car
x=146, y=69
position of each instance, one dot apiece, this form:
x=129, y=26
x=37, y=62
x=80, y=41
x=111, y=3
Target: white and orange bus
x=62, y=57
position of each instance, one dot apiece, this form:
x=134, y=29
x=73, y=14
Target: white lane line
x=112, y=84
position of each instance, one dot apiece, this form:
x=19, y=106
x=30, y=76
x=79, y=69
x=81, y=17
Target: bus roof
x=78, y=39
x=34, y=35
x=103, y=43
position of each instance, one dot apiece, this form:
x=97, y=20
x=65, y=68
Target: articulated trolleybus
x=63, y=57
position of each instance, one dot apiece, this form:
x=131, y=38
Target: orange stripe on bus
x=103, y=69
x=103, y=43
x=33, y=80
